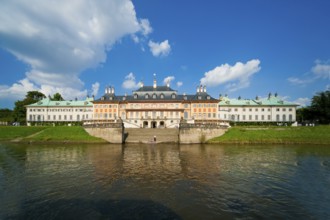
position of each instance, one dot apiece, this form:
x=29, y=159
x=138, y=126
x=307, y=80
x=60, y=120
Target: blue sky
x=236, y=47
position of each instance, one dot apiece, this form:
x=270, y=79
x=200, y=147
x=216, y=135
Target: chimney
x=155, y=82
x=113, y=90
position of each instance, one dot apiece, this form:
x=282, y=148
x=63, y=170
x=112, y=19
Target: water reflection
x=177, y=181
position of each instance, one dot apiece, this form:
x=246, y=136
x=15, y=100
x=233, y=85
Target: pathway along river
x=164, y=182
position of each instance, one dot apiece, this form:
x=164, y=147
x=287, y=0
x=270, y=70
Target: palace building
x=162, y=107
x=155, y=107
x=71, y=111
x=270, y=109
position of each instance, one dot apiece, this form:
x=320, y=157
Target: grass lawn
x=12, y=132
x=64, y=133
x=275, y=135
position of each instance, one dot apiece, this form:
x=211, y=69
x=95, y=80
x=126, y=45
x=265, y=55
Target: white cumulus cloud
x=321, y=70
x=145, y=27
x=237, y=76
x=168, y=79
x=302, y=101
x=58, y=40
x=160, y=49
x=130, y=82
x=95, y=88
x=179, y=84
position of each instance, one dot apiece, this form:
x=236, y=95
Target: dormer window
x=102, y=98
x=185, y=97
x=124, y=98
x=173, y=96
x=111, y=97
x=162, y=96
x=135, y=96
x=146, y=96
x=154, y=96
x=208, y=97
x=199, y=97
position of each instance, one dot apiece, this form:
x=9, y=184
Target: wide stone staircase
x=146, y=135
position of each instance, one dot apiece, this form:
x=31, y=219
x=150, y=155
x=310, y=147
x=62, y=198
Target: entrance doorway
x=162, y=124
x=145, y=124
x=153, y=124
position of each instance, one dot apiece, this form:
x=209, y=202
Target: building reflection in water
x=181, y=177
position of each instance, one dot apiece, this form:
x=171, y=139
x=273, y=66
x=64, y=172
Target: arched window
x=135, y=96
x=154, y=96
x=162, y=96
x=146, y=96
x=173, y=96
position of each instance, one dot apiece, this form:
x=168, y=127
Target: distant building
x=155, y=107
x=270, y=109
x=46, y=110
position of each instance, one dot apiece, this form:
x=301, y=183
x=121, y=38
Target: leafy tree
x=31, y=97
x=57, y=97
x=320, y=107
x=304, y=114
x=6, y=115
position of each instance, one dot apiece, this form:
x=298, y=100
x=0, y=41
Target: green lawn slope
x=275, y=135
x=75, y=134
x=64, y=134
x=13, y=132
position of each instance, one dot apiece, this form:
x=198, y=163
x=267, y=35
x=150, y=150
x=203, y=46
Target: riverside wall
x=195, y=134
x=187, y=133
x=112, y=132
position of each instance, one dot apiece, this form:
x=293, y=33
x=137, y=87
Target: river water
x=164, y=182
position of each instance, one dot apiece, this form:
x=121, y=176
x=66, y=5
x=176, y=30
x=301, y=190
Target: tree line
x=18, y=114
x=319, y=110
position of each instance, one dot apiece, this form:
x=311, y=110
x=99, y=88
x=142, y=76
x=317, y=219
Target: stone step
x=146, y=135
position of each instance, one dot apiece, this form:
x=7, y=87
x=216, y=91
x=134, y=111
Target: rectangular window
x=268, y=117
x=256, y=109
x=262, y=117
x=256, y=117
x=250, y=117
x=243, y=117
